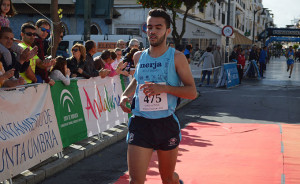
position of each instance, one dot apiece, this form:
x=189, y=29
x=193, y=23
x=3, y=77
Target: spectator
x=58, y=52
x=121, y=44
x=234, y=54
x=89, y=66
x=171, y=44
x=21, y=65
x=252, y=58
x=187, y=52
x=8, y=10
x=262, y=61
x=108, y=57
x=218, y=62
x=60, y=71
x=42, y=32
x=76, y=62
x=241, y=64
x=118, y=59
x=130, y=63
x=208, y=64
x=180, y=48
x=28, y=33
x=5, y=80
x=99, y=63
x=238, y=50
x=133, y=44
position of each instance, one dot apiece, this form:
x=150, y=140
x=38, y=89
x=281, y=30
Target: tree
x=57, y=26
x=295, y=46
x=173, y=6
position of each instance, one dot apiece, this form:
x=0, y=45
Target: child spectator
x=118, y=52
x=108, y=57
x=60, y=71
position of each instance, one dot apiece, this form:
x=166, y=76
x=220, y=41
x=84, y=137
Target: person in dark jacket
x=76, y=62
x=89, y=66
x=234, y=55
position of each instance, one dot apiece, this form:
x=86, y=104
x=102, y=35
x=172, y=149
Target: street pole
x=227, y=38
x=265, y=33
x=253, y=26
x=87, y=19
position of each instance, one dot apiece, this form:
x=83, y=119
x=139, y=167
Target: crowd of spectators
x=28, y=61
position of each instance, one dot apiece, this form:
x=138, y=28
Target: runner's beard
x=159, y=41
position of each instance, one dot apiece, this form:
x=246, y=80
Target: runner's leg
x=138, y=159
x=291, y=69
x=167, y=162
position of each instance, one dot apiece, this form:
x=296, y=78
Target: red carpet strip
x=225, y=153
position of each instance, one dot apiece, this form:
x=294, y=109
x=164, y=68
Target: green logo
x=69, y=113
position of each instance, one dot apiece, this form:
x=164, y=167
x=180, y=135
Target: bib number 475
x=151, y=99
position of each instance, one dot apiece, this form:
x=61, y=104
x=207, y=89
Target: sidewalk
x=74, y=153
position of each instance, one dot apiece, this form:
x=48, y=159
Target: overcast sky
x=284, y=10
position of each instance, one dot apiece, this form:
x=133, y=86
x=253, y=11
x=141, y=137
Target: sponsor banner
x=69, y=113
x=100, y=100
x=28, y=129
x=232, y=76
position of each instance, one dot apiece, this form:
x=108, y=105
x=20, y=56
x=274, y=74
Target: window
x=128, y=31
x=223, y=18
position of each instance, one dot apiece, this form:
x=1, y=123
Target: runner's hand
x=150, y=88
x=124, y=100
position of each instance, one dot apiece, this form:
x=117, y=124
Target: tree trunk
x=57, y=27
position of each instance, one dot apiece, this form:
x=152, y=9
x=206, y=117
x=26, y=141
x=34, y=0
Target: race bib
x=157, y=102
x=291, y=57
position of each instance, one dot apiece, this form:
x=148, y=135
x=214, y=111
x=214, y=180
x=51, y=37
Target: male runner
x=290, y=56
x=156, y=86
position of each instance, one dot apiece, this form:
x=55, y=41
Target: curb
x=76, y=152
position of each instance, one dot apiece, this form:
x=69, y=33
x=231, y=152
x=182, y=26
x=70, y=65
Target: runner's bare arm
x=129, y=91
x=183, y=70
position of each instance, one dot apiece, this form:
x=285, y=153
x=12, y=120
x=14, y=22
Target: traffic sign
x=227, y=31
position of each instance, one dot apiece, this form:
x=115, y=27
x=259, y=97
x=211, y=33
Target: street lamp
x=255, y=11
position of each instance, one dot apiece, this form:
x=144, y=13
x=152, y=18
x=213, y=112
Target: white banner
x=28, y=129
x=100, y=99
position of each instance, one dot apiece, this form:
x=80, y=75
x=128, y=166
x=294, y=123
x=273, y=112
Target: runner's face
x=157, y=31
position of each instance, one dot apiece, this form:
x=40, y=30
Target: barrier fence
x=37, y=122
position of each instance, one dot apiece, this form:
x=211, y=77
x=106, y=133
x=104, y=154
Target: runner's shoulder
x=179, y=57
x=136, y=57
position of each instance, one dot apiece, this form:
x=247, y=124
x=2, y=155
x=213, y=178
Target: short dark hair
x=27, y=26
x=40, y=22
x=89, y=45
x=113, y=55
x=208, y=49
x=5, y=30
x=161, y=13
x=60, y=64
x=188, y=47
x=105, y=54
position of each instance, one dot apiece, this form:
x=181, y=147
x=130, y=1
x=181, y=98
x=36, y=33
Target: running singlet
x=159, y=70
x=291, y=55
x=290, y=59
